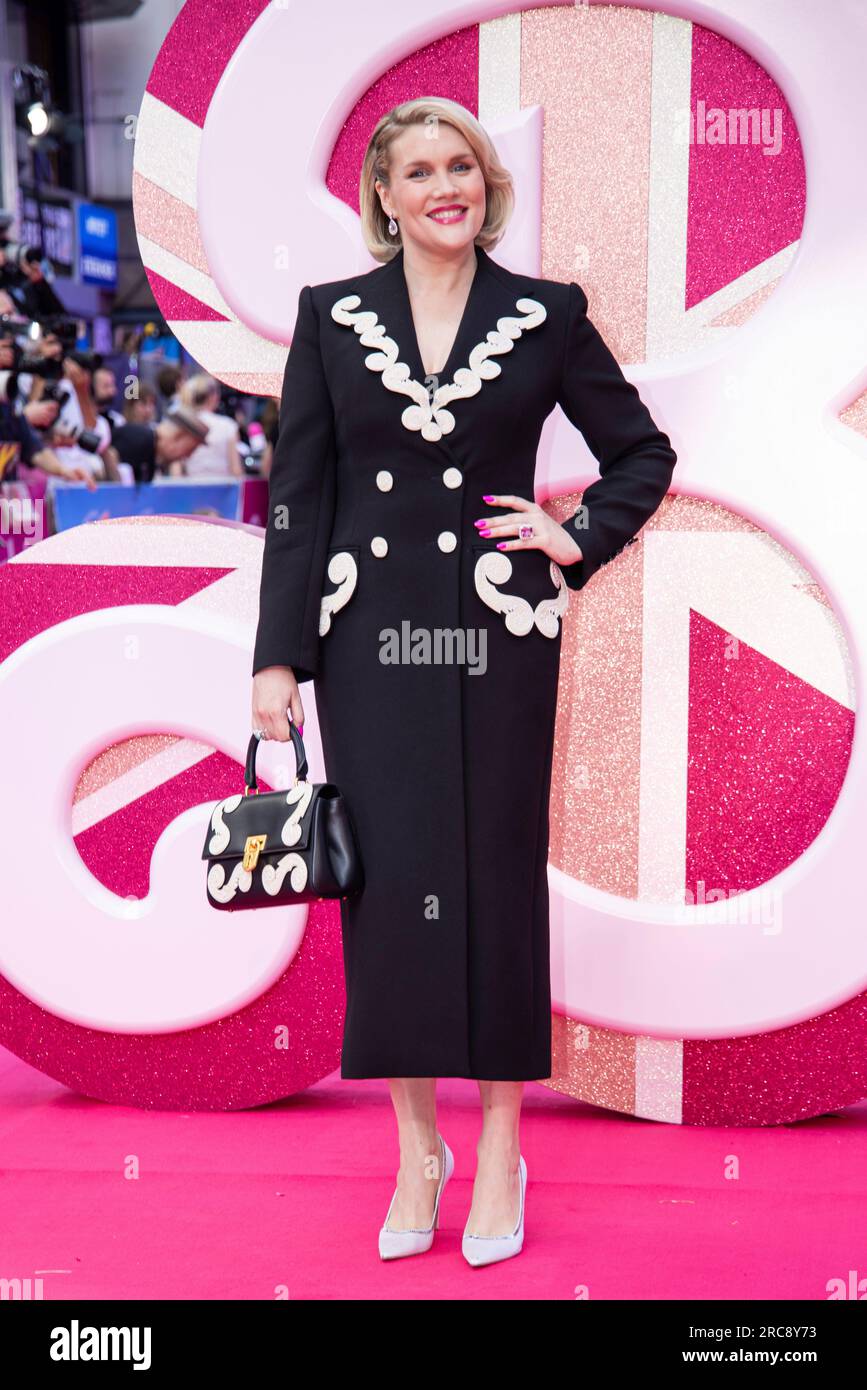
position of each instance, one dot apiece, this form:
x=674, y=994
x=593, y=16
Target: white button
x=453, y=477
x=447, y=540
x=379, y=545
x=384, y=480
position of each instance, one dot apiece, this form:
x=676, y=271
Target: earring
x=392, y=226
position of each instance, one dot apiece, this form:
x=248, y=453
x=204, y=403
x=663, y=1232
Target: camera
x=15, y=254
x=88, y=440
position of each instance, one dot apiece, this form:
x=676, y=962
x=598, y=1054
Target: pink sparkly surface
x=767, y=757
x=744, y=205
x=167, y=221
x=118, y=850
x=596, y=776
x=234, y=1062
x=120, y=759
x=590, y=70
x=447, y=68
x=745, y=308
x=854, y=415
x=35, y=597
x=227, y=1065
x=178, y=304
x=195, y=51
x=727, y=233
x=814, y=1067
x=768, y=752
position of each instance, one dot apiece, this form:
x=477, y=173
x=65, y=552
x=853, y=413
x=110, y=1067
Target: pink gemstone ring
x=526, y=533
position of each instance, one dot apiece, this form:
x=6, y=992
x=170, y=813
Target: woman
x=408, y=571
x=219, y=456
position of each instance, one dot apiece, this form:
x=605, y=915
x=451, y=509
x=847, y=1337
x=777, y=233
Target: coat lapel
x=494, y=319
x=407, y=336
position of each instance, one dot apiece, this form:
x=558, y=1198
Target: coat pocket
x=342, y=571
x=524, y=586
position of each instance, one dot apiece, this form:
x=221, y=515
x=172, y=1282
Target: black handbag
x=275, y=849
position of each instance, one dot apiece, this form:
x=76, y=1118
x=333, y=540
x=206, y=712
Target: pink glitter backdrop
x=747, y=719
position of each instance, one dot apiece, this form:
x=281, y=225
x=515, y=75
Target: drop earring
x=392, y=226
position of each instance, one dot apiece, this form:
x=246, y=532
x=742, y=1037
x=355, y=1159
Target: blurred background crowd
x=96, y=393
x=64, y=411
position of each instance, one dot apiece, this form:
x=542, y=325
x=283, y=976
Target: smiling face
x=437, y=192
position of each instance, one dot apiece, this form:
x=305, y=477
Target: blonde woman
x=218, y=457
x=413, y=400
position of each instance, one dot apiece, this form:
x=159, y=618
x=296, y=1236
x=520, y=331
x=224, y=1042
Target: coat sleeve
x=301, y=499
x=635, y=458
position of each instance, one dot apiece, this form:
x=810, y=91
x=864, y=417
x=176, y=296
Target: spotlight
x=38, y=119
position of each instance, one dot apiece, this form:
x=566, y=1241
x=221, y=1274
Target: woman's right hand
x=275, y=690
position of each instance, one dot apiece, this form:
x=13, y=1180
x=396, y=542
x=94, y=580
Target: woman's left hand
x=548, y=535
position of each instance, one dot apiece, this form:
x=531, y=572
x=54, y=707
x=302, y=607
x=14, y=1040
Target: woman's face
x=434, y=170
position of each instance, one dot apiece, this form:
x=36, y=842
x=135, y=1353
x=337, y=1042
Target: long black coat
x=373, y=575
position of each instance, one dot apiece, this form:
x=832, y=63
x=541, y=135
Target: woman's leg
x=497, y=1188
x=415, y=1104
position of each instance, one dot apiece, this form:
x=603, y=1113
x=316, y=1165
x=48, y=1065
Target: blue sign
x=74, y=504
x=97, y=245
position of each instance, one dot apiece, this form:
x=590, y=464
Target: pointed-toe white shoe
x=487, y=1250
x=394, y=1245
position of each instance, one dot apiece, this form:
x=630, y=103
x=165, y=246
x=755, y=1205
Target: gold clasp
x=252, y=849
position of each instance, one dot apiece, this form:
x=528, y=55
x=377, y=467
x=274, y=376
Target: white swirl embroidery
x=274, y=874
x=221, y=833
x=493, y=567
x=428, y=415
x=299, y=797
x=218, y=888
x=342, y=570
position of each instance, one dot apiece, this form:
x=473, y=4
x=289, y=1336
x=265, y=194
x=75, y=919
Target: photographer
x=160, y=448
x=22, y=278
x=18, y=441
x=80, y=434
x=104, y=386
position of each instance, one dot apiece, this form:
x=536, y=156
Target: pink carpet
x=234, y=1206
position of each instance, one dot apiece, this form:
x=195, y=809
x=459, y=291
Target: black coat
x=435, y=657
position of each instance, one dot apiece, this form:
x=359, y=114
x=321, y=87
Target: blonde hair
x=195, y=391
x=500, y=199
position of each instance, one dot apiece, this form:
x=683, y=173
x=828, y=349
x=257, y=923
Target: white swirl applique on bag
x=494, y=568
x=428, y=414
x=240, y=880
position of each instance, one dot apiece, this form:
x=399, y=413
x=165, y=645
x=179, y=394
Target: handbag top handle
x=250, y=783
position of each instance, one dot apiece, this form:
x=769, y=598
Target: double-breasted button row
x=446, y=540
x=452, y=477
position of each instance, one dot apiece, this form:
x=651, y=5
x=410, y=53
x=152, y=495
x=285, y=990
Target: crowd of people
x=64, y=412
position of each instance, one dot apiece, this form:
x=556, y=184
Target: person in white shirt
x=72, y=419
x=78, y=410
x=218, y=457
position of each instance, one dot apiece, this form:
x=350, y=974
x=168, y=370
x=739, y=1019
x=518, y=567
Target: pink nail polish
x=484, y=533
x=501, y=545
x=488, y=498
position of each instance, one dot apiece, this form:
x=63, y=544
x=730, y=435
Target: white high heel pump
x=393, y=1245
x=487, y=1250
